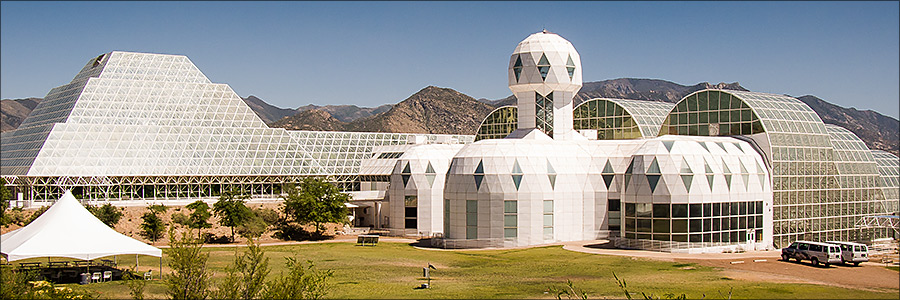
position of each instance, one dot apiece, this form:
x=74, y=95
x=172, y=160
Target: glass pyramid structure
x=130, y=123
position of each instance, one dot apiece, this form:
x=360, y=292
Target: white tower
x=545, y=74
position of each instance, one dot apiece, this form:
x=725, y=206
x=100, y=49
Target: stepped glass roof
x=140, y=114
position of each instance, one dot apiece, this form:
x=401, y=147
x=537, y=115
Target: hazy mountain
x=14, y=111
x=267, y=112
x=310, y=119
x=876, y=130
x=348, y=113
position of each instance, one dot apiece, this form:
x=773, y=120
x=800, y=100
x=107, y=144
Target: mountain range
x=446, y=111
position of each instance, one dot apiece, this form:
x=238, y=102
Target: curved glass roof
x=616, y=119
x=499, y=123
x=851, y=154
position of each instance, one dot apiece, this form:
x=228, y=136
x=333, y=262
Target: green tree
x=316, y=201
x=199, y=218
x=152, y=226
x=5, y=197
x=108, y=214
x=190, y=277
x=231, y=210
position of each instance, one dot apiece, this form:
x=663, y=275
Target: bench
x=364, y=239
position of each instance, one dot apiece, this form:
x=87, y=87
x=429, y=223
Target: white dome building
x=547, y=183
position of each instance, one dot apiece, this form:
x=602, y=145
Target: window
x=410, y=204
x=548, y=219
x=510, y=218
x=543, y=66
x=517, y=67
x=543, y=107
x=614, y=205
x=471, y=219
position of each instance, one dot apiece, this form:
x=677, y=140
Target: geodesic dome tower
x=545, y=74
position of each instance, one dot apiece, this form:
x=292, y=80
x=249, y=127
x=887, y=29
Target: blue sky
x=370, y=53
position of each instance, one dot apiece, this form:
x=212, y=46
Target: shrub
x=35, y=215
x=246, y=277
x=106, y=213
x=303, y=281
x=180, y=219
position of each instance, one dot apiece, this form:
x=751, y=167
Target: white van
x=815, y=252
x=851, y=252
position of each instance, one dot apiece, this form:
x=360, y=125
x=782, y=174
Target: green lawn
x=392, y=270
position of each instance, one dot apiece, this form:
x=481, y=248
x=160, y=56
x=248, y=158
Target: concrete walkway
x=598, y=247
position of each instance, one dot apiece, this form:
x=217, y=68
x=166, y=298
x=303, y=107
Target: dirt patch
x=131, y=220
x=868, y=276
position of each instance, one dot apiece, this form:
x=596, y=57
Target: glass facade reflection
x=499, y=123
x=617, y=119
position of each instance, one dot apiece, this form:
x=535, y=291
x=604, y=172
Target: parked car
x=815, y=252
x=851, y=252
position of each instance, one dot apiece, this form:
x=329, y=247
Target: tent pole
x=160, y=267
x=137, y=263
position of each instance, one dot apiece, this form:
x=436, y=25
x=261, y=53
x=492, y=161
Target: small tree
x=108, y=214
x=152, y=227
x=135, y=284
x=199, y=216
x=190, y=278
x=231, y=210
x=316, y=201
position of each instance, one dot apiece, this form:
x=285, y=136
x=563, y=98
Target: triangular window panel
x=608, y=170
x=711, y=180
x=570, y=67
x=746, y=178
x=759, y=169
x=429, y=169
x=668, y=145
x=406, y=169
x=653, y=180
x=627, y=179
x=702, y=144
x=552, y=180
x=607, y=178
x=725, y=168
x=430, y=178
x=743, y=169
x=728, y=181
x=478, y=179
x=517, y=67
x=654, y=167
x=630, y=168
x=543, y=66
x=517, y=179
x=687, y=179
x=550, y=169
x=516, y=169
x=405, y=179
x=762, y=180
x=480, y=168
x=685, y=167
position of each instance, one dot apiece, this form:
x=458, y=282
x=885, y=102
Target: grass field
x=392, y=270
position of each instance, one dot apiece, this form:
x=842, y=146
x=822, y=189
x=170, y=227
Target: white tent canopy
x=67, y=229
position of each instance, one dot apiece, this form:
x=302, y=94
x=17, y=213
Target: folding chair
x=95, y=277
x=148, y=275
x=107, y=275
